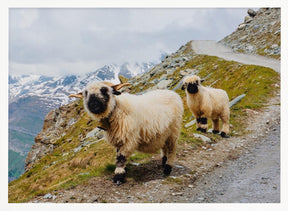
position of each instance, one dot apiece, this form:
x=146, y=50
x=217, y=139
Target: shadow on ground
x=153, y=171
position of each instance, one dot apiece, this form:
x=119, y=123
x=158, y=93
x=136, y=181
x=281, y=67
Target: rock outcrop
x=259, y=34
x=55, y=126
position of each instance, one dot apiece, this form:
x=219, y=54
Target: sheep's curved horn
x=79, y=95
x=119, y=86
x=108, y=83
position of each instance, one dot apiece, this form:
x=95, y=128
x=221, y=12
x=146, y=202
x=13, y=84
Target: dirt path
x=212, y=48
x=253, y=178
x=239, y=169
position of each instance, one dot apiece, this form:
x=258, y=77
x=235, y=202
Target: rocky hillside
x=70, y=149
x=260, y=33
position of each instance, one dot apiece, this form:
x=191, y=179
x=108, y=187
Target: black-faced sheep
x=145, y=123
x=207, y=102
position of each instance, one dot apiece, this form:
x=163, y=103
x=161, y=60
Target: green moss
x=109, y=168
x=173, y=180
x=139, y=156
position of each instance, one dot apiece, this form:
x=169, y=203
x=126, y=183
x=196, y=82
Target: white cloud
x=54, y=38
x=52, y=69
x=27, y=17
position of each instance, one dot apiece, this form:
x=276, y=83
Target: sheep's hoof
x=164, y=160
x=215, y=131
x=167, y=169
x=203, y=130
x=119, y=179
x=224, y=135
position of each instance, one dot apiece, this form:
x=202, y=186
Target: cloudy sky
x=76, y=41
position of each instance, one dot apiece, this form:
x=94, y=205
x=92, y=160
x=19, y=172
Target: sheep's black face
x=192, y=88
x=98, y=103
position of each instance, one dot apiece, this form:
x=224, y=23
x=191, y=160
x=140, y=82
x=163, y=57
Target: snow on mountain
x=57, y=89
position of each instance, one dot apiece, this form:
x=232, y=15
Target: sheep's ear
x=183, y=87
x=202, y=80
x=119, y=86
x=79, y=95
x=115, y=92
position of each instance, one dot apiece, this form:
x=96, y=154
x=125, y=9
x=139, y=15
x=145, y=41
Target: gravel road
x=252, y=178
x=212, y=48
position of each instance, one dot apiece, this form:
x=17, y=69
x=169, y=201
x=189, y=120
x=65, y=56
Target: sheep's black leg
x=120, y=172
x=164, y=160
x=198, y=123
x=225, y=126
x=203, y=121
x=169, y=154
x=203, y=130
x=167, y=169
x=215, y=126
x=224, y=135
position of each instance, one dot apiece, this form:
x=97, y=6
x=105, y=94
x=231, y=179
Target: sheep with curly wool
x=144, y=123
x=207, y=102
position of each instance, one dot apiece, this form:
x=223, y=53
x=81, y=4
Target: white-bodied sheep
x=207, y=102
x=145, y=123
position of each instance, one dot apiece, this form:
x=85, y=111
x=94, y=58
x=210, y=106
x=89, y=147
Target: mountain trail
x=213, y=48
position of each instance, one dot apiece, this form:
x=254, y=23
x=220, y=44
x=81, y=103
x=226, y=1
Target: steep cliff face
x=55, y=127
x=260, y=33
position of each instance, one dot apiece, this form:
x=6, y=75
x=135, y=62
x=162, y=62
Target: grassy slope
x=256, y=36
x=65, y=168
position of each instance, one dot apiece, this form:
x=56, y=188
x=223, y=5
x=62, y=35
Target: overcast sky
x=77, y=41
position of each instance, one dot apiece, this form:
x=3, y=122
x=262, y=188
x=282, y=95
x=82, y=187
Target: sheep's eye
x=196, y=82
x=86, y=93
x=104, y=90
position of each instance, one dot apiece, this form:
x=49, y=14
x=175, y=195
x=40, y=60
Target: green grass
x=258, y=83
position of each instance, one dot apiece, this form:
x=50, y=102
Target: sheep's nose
x=95, y=105
x=192, y=88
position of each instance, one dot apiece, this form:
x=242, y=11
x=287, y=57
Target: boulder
x=93, y=133
x=205, y=139
x=241, y=26
x=251, y=13
x=163, y=84
x=248, y=19
x=277, y=32
x=236, y=100
x=178, y=86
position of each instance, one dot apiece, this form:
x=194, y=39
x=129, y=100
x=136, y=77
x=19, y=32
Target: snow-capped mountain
x=57, y=89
